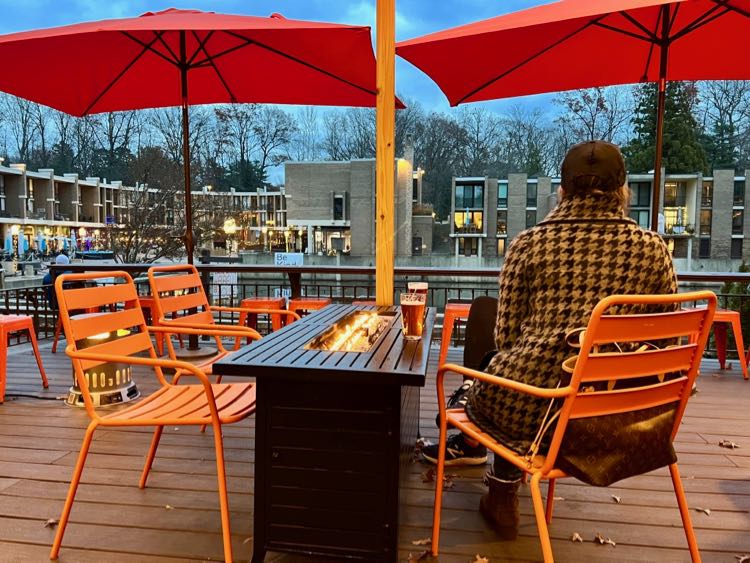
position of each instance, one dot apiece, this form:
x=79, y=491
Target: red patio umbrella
x=186, y=57
x=582, y=44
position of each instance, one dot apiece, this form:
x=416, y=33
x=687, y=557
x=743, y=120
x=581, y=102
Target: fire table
x=335, y=430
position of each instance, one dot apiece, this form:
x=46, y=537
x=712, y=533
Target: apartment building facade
x=702, y=218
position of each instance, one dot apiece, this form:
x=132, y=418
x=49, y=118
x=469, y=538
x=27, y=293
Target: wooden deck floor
x=177, y=518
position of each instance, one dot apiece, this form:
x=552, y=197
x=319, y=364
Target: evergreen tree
x=682, y=150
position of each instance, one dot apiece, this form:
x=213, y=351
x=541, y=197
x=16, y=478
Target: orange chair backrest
x=641, y=318
x=178, y=295
x=120, y=314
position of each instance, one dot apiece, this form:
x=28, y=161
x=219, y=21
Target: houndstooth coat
x=553, y=276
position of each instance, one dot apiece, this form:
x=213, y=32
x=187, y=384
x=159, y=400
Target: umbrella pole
x=189, y=242
x=384, y=150
x=660, y=110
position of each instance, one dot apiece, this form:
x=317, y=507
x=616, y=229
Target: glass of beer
x=417, y=287
x=412, y=314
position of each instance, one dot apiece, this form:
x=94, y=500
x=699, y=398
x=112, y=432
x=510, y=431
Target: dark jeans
x=505, y=470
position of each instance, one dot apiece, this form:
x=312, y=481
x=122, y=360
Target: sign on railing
x=288, y=259
x=224, y=285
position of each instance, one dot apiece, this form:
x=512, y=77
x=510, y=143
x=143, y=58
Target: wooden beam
x=385, y=121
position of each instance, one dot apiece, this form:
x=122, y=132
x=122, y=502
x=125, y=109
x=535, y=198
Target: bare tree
x=483, y=133
x=527, y=142
x=306, y=142
x=724, y=113
x=273, y=132
x=20, y=119
x=596, y=113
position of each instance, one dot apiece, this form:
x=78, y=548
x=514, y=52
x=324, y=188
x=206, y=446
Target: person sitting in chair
x=554, y=274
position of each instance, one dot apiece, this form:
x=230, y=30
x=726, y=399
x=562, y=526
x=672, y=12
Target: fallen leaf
x=419, y=556
x=247, y=541
x=599, y=539
x=429, y=475
x=611, y=542
x=742, y=558
x=51, y=523
x=558, y=498
x=729, y=444
x=169, y=507
x=576, y=537
x=706, y=511
x=480, y=559
x=617, y=499
x=425, y=541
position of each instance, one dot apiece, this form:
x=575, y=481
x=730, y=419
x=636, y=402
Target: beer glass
x=412, y=314
x=417, y=287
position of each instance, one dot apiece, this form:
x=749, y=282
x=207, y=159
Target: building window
x=502, y=222
x=468, y=221
x=468, y=246
x=416, y=246
x=338, y=208
x=469, y=196
x=675, y=194
x=707, y=194
x=530, y=218
x=705, y=226
x=704, y=248
x=641, y=217
x=502, y=195
x=640, y=194
x=736, y=251
x=415, y=190
x=738, y=216
x=531, y=196
x=501, y=247
x=739, y=192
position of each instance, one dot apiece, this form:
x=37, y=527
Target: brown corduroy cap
x=593, y=165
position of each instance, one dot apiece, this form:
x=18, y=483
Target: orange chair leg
x=439, y=488
x=58, y=331
x=34, y=345
x=72, y=491
x=223, y=497
x=445, y=337
x=684, y=513
x=720, y=336
x=150, y=456
x=550, y=500
x=3, y=362
x=536, y=497
x=737, y=329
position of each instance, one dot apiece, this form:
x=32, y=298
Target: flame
x=369, y=322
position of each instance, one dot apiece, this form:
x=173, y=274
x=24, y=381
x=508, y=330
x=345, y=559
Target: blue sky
x=413, y=18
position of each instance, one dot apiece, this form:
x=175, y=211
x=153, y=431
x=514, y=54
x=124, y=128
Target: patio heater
x=109, y=383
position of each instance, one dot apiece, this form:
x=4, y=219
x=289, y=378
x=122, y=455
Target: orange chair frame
x=192, y=307
x=594, y=366
x=172, y=405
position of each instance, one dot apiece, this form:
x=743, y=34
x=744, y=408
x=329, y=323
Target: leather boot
x=499, y=506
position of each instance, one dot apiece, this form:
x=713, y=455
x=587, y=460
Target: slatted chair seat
x=127, y=342
x=603, y=384
x=186, y=404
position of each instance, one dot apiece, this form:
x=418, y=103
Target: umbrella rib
x=654, y=37
x=624, y=32
x=699, y=22
x=733, y=8
x=211, y=61
x=201, y=45
x=300, y=61
x=101, y=94
x=530, y=58
x=149, y=46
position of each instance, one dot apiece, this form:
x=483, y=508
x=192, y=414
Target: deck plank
x=113, y=520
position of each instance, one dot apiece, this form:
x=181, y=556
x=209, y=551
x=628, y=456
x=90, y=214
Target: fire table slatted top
x=282, y=355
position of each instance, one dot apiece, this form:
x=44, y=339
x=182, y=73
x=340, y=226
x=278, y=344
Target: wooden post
x=385, y=122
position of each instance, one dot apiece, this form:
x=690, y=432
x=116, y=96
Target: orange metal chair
x=307, y=304
x=722, y=318
x=179, y=301
x=453, y=311
x=593, y=366
x=17, y=323
x=171, y=405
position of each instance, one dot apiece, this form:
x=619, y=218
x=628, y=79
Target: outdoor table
x=334, y=436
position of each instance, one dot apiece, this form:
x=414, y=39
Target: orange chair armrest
x=138, y=360
x=254, y=311
x=542, y=392
x=230, y=331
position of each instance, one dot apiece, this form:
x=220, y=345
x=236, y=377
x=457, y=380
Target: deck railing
x=228, y=284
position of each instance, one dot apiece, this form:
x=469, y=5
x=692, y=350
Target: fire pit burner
x=355, y=332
